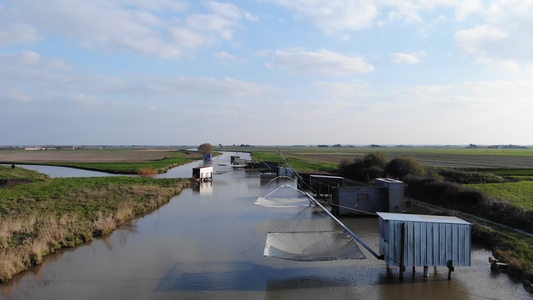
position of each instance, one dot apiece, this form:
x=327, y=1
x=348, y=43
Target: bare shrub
x=103, y=223
x=125, y=211
x=147, y=172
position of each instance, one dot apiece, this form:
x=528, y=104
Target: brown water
x=208, y=242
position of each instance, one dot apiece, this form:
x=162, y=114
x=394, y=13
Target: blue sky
x=266, y=72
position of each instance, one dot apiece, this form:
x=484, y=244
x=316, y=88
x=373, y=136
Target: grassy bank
x=519, y=193
x=44, y=214
x=160, y=165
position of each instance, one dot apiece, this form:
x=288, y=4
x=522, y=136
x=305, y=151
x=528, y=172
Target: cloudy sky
x=269, y=72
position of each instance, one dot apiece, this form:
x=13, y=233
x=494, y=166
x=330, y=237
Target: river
x=207, y=243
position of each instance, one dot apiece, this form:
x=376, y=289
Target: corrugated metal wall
x=426, y=243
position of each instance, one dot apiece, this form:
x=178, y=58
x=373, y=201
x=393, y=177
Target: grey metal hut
x=423, y=240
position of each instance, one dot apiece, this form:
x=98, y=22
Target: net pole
x=344, y=227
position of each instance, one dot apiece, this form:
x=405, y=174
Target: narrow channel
x=207, y=243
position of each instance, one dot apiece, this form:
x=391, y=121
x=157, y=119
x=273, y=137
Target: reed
x=39, y=218
x=147, y=171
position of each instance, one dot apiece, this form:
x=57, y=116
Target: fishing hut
x=323, y=185
x=422, y=240
x=386, y=195
x=237, y=161
x=202, y=173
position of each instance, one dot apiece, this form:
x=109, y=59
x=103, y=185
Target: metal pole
x=345, y=228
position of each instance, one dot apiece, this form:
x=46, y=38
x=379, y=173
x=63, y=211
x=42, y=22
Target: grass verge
x=45, y=214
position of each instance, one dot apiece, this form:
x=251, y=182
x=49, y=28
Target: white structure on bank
x=202, y=173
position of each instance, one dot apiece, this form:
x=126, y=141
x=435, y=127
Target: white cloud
x=343, y=90
x=338, y=15
x=471, y=40
x=17, y=95
x=412, y=58
x=223, y=55
x=87, y=101
x=319, y=63
x=161, y=28
x=227, y=10
x=18, y=34
x=264, y=53
x=50, y=76
x=504, y=40
x=333, y=15
x=250, y=17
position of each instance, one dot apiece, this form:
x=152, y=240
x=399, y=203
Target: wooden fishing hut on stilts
x=422, y=240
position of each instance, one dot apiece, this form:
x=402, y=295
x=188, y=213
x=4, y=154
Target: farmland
x=112, y=160
x=503, y=162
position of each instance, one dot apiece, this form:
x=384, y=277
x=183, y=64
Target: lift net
x=283, y=196
x=311, y=236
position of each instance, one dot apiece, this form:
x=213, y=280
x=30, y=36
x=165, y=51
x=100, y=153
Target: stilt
x=450, y=269
x=402, y=251
x=426, y=271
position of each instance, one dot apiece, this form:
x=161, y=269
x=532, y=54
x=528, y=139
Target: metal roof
x=421, y=218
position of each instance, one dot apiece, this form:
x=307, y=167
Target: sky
x=266, y=72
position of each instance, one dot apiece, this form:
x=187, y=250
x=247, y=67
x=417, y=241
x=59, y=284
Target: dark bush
x=365, y=168
x=400, y=167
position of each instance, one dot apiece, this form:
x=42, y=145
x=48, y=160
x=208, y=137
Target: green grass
x=389, y=150
x=518, y=193
x=6, y=173
x=52, y=194
x=41, y=215
x=297, y=163
x=128, y=167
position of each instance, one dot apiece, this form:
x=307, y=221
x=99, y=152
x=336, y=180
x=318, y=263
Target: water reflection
x=208, y=243
x=65, y=172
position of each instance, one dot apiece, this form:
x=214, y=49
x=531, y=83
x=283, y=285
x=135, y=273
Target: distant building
x=385, y=196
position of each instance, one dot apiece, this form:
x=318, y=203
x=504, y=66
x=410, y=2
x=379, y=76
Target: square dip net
x=310, y=235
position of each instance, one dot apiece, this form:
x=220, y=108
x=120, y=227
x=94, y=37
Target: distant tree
x=375, y=159
x=205, y=148
x=403, y=166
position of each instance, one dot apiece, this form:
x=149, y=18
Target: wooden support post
x=449, y=264
x=426, y=271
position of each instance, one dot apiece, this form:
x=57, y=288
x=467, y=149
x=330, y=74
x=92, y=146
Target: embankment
x=40, y=217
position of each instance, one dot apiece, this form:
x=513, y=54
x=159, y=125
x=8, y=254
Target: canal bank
x=208, y=243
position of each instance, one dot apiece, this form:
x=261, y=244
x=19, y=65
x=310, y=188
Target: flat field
x=88, y=155
x=504, y=162
x=428, y=156
x=114, y=160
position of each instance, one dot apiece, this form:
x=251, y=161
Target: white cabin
x=202, y=173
